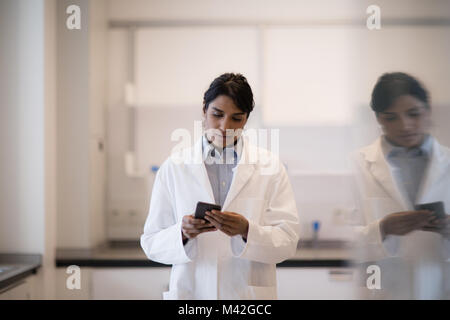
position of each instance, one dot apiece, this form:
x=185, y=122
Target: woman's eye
x=414, y=115
x=217, y=115
x=237, y=119
x=389, y=118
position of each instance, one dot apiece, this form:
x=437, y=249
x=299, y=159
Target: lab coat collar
x=380, y=169
x=242, y=172
x=210, y=151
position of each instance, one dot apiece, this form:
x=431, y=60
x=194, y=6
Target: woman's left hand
x=230, y=223
x=441, y=226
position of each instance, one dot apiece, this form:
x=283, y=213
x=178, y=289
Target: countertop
x=14, y=267
x=325, y=253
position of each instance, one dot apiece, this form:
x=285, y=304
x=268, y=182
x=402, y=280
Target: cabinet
x=145, y=283
x=130, y=283
x=20, y=290
x=315, y=283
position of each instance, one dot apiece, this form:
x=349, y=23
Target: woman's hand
x=401, y=223
x=230, y=223
x=191, y=227
x=441, y=226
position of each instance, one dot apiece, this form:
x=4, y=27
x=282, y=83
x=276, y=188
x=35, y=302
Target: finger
x=414, y=225
x=190, y=234
x=197, y=222
x=214, y=222
x=218, y=217
x=205, y=226
x=407, y=227
x=228, y=231
x=197, y=227
x=208, y=229
x=228, y=215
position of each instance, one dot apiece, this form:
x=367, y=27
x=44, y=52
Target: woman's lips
x=409, y=136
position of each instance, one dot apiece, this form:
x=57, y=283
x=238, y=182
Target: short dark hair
x=234, y=86
x=390, y=86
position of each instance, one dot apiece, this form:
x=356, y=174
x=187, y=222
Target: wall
x=28, y=134
x=81, y=78
x=22, y=204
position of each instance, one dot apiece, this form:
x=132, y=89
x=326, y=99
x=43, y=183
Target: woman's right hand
x=401, y=223
x=191, y=227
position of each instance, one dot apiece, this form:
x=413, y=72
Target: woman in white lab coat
x=404, y=167
x=233, y=254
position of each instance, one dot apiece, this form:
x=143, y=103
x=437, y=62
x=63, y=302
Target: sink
x=6, y=269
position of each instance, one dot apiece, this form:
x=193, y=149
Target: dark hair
x=234, y=86
x=390, y=86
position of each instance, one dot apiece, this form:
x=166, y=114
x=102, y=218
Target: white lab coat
x=412, y=266
x=214, y=265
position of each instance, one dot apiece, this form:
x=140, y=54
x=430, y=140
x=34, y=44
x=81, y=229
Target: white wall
x=28, y=134
x=81, y=78
x=22, y=204
x=73, y=128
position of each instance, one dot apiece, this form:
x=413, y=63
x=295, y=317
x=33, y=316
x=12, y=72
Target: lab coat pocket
x=261, y=293
x=251, y=208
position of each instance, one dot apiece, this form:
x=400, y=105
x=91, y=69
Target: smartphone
x=436, y=207
x=202, y=207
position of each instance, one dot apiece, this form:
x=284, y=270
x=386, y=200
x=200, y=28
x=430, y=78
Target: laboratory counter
x=15, y=267
x=324, y=253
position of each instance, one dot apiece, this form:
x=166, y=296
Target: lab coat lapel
x=437, y=166
x=242, y=173
x=198, y=170
x=380, y=169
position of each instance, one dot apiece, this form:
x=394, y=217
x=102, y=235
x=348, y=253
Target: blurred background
x=86, y=117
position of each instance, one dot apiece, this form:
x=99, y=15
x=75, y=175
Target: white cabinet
x=130, y=283
x=149, y=283
x=315, y=283
x=136, y=283
x=20, y=290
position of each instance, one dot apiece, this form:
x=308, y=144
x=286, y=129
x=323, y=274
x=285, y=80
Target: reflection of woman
x=404, y=167
x=233, y=254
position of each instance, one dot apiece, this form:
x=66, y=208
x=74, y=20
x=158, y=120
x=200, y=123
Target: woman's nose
x=406, y=123
x=225, y=124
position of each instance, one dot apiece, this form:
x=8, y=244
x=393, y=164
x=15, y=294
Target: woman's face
x=223, y=121
x=406, y=122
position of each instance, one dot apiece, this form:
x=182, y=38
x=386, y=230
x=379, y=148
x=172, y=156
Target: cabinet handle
x=340, y=275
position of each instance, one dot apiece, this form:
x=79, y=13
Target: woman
x=231, y=255
x=404, y=167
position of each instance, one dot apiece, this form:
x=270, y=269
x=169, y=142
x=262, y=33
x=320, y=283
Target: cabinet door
x=315, y=283
x=130, y=283
x=17, y=291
